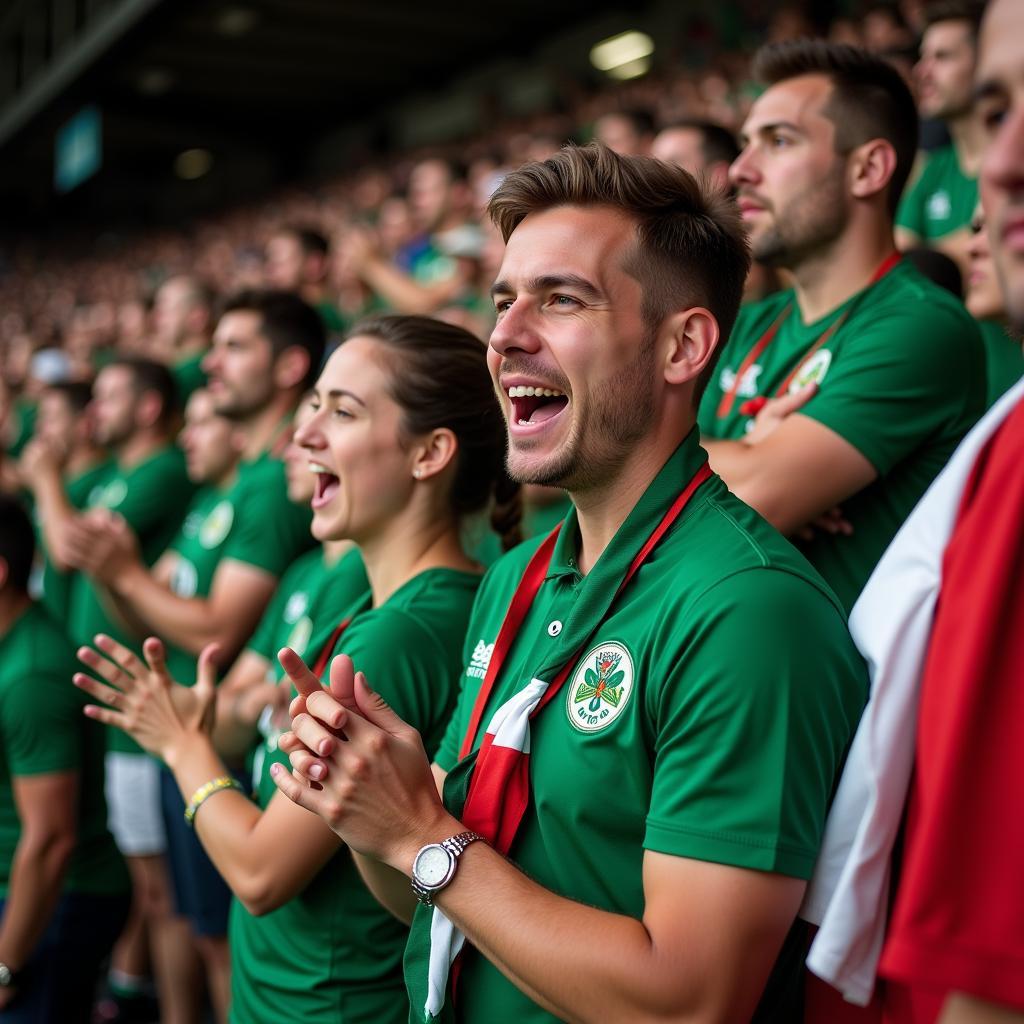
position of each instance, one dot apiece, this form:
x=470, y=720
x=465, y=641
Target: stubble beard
x=610, y=421
x=804, y=226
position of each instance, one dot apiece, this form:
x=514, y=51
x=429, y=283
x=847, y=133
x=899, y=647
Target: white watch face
x=432, y=865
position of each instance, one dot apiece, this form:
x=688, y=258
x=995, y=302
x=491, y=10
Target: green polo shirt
x=152, y=497
x=733, y=691
x=941, y=200
x=902, y=380
x=333, y=954
x=309, y=603
x=43, y=731
x=1004, y=359
x=250, y=521
x=81, y=489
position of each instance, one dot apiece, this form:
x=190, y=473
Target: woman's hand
x=142, y=699
x=359, y=766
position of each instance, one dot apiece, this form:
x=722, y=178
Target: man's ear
x=692, y=336
x=432, y=453
x=290, y=368
x=871, y=167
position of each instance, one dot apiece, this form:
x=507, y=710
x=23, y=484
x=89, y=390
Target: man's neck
x=263, y=428
x=968, y=138
x=408, y=546
x=138, y=448
x=826, y=280
x=601, y=510
x=13, y=604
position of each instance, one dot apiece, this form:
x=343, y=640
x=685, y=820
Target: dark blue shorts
x=58, y=983
x=200, y=894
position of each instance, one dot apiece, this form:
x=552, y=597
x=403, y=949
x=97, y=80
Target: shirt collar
x=645, y=514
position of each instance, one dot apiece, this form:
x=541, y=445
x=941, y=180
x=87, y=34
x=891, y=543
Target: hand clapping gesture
x=358, y=765
x=141, y=697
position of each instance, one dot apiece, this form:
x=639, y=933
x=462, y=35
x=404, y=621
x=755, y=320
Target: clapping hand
x=141, y=697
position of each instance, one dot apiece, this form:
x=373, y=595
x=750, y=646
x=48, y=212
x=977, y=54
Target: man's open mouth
x=535, y=405
x=327, y=485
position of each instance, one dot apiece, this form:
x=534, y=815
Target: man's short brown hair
x=869, y=98
x=691, y=249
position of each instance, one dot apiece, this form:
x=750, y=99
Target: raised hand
x=141, y=697
x=372, y=778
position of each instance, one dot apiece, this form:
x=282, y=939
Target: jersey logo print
x=479, y=660
x=813, y=371
x=600, y=689
x=217, y=525
x=939, y=205
x=748, y=385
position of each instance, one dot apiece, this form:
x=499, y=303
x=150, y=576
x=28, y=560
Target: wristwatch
x=434, y=866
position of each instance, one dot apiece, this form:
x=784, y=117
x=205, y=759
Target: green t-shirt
x=941, y=201
x=152, y=497
x=1004, y=359
x=902, y=380
x=55, y=591
x=310, y=601
x=734, y=689
x=23, y=425
x=333, y=954
x=43, y=730
x=189, y=375
x=250, y=521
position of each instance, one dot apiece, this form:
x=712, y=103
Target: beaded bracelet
x=205, y=791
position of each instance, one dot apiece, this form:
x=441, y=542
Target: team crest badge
x=113, y=494
x=813, y=371
x=217, y=525
x=600, y=688
x=184, y=579
x=298, y=638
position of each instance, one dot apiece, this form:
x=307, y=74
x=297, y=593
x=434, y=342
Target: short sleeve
x=908, y=375
x=270, y=531
x=145, y=502
x=752, y=718
x=42, y=726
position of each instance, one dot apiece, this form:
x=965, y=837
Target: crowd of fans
x=277, y=429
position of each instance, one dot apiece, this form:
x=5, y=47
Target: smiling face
x=571, y=355
x=789, y=180
x=353, y=445
x=1001, y=111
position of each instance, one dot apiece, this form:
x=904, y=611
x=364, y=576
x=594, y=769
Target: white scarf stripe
x=891, y=624
x=509, y=727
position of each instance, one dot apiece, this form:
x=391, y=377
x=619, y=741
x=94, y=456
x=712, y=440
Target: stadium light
x=193, y=163
x=627, y=55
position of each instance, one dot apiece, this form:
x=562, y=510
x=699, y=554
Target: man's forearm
x=402, y=292
x=551, y=947
x=964, y=1009
x=186, y=622
x=37, y=875
x=55, y=511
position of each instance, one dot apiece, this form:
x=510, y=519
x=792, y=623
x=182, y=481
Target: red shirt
x=958, y=918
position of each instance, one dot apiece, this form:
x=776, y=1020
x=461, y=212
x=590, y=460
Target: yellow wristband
x=205, y=791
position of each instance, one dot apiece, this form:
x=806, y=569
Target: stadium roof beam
x=41, y=63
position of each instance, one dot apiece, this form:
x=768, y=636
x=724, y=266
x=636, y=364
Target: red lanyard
x=328, y=649
x=754, y=405
x=527, y=590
